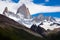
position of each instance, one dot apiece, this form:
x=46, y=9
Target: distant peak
x=50, y=18
x=5, y=10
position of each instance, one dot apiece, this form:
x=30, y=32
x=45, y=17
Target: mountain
x=21, y=26
x=23, y=10
x=46, y=22
x=39, y=18
x=10, y=14
x=49, y=18
x=11, y=30
x=23, y=16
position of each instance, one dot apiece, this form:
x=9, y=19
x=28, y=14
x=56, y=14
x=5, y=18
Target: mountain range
x=23, y=16
x=22, y=26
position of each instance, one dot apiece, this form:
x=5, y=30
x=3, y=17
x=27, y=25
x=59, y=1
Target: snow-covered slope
x=46, y=25
x=51, y=23
x=47, y=22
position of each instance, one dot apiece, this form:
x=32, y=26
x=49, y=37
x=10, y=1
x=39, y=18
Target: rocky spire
x=49, y=18
x=41, y=17
x=5, y=10
x=24, y=11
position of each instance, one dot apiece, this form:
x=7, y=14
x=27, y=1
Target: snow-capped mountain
x=39, y=18
x=47, y=22
x=23, y=16
x=49, y=18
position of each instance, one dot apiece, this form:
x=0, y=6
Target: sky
x=41, y=6
x=45, y=2
x=54, y=4
x=48, y=2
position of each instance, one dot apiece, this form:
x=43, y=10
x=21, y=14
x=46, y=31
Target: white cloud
x=34, y=8
x=47, y=0
x=42, y=9
x=10, y=5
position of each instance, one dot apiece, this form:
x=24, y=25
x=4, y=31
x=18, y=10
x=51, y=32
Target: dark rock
x=55, y=24
x=38, y=29
x=34, y=27
x=41, y=23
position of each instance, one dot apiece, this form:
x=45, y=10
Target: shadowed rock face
x=38, y=29
x=5, y=11
x=34, y=27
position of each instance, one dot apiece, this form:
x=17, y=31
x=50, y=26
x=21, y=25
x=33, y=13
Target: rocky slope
x=11, y=30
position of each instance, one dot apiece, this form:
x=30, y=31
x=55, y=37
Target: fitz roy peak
x=24, y=11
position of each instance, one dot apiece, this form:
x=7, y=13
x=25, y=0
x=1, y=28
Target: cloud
x=42, y=9
x=35, y=8
x=10, y=5
x=46, y=0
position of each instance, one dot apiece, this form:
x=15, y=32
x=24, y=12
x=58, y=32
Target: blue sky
x=53, y=14
x=46, y=3
x=16, y=1
x=49, y=3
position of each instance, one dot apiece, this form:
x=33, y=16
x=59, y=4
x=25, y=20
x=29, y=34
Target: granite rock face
x=23, y=10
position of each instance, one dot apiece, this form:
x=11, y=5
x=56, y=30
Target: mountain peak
x=49, y=18
x=23, y=10
x=5, y=10
x=42, y=18
x=23, y=5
